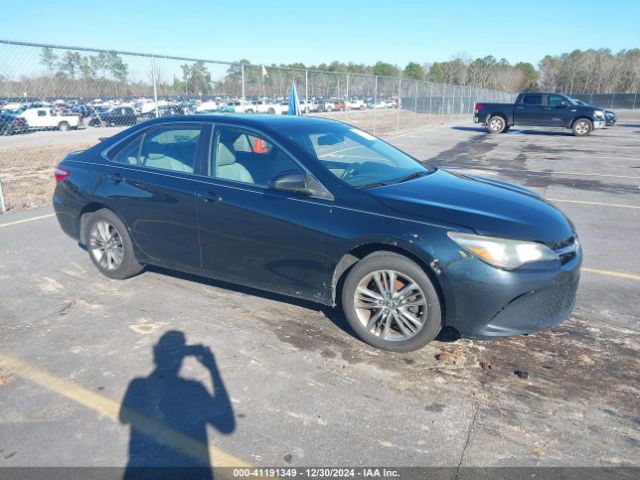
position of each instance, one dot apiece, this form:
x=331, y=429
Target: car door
x=255, y=235
x=150, y=185
x=558, y=110
x=530, y=111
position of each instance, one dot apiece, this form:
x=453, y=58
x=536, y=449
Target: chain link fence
x=83, y=94
x=610, y=100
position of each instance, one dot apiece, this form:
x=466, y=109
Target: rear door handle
x=208, y=197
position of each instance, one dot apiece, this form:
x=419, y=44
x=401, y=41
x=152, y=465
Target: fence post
x=155, y=86
x=375, y=104
x=415, y=105
x=613, y=95
x=399, y=103
x=634, y=100
x=306, y=88
x=346, y=100
x=430, y=99
x=242, y=79
x=453, y=102
x=3, y=207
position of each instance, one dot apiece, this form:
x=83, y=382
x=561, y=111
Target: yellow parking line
x=609, y=273
x=25, y=220
x=111, y=409
x=618, y=205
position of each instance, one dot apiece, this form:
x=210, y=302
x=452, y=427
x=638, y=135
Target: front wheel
x=582, y=127
x=496, y=125
x=390, y=303
x=109, y=245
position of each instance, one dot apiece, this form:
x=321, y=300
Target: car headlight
x=502, y=252
x=598, y=113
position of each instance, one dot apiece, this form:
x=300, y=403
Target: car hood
x=486, y=206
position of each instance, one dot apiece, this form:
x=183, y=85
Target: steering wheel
x=350, y=171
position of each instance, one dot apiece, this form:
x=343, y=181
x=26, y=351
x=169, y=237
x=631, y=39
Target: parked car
x=261, y=106
x=339, y=105
x=208, y=106
x=356, y=104
x=326, y=105
x=82, y=111
x=539, y=109
x=610, y=117
x=10, y=124
x=404, y=248
x=121, y=115
x=307, y=106
x=381, y=104
x=46, y=119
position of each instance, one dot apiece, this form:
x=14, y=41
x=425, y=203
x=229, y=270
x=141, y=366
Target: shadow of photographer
x=168, y=414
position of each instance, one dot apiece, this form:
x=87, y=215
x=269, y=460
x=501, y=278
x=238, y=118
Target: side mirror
x=294, y=181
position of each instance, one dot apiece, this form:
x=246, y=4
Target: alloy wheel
x=390, y=305
x=105, y=244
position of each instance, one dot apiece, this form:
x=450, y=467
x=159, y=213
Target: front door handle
x=208, y=197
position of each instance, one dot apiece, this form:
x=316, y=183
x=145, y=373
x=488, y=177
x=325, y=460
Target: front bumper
x=598, y=124
x=485, y=302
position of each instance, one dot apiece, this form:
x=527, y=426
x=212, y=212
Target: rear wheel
x=63, y=126
x=582, y=127
x=109, y=245
x=390, y=303
x=496, y=124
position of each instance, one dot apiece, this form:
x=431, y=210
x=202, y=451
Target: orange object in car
x=258, y=146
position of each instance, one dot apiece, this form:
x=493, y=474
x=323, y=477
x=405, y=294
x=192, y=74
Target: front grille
x=566, y=249
x=561, y=300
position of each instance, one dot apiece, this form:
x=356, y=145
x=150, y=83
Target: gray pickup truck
x=540, y=109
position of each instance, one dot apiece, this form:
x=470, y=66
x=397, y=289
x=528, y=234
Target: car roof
x=545, y=93
x=250, y=120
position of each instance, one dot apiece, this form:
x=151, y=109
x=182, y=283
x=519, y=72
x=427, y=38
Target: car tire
x=496, y=124
x=109, y=245
x=271, y=111
x=392, y=330
x=582, y=127
x=63, y=126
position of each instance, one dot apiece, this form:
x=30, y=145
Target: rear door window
x=171, y=147
x=532, y=99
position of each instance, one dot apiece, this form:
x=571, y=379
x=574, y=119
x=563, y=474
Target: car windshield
x=354, y=156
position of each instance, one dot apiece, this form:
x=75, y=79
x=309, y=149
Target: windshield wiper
x=399, y=180
x=412, y=176
x=372, y=184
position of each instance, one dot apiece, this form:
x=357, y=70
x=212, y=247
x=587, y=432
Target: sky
x=272, y=31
